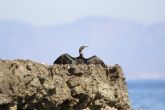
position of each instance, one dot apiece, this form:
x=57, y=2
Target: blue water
x=147, y=94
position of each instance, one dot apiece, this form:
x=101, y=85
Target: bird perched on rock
x=67, y=59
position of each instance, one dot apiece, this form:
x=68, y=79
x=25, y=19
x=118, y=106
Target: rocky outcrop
x=27, y=85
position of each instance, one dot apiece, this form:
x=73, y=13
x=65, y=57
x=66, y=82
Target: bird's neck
x=81, y=55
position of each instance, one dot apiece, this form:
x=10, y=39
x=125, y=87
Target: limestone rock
x=27, y=85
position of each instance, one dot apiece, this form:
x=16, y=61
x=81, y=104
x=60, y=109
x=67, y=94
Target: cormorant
x=67, y=59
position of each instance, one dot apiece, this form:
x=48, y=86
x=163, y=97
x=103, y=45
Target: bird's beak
x=86, y=46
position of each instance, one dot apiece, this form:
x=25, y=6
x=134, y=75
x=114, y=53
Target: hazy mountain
x=137, y=47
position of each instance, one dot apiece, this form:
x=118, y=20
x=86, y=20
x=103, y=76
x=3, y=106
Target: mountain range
x=138, y=48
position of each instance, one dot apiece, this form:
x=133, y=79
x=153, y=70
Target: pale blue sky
x=56, y=12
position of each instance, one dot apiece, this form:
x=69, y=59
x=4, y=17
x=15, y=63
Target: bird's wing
x=65, y=59
x=94, y=60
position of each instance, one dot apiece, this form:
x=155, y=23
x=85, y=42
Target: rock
x=28, y=85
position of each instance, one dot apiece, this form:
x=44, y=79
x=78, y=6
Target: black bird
x=67, y=59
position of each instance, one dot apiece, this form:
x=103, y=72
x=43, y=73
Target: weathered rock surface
x=27, y=85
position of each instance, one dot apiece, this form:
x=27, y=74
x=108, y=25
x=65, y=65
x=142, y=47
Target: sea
x=147, y=94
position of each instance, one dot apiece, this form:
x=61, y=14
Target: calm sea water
x=147, y=94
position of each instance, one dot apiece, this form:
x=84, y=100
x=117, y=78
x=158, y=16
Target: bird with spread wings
x=67, y=59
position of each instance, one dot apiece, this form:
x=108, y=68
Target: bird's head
x=82, y=48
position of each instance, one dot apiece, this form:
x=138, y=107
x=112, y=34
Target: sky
x=56, y=12
x=128, y=32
